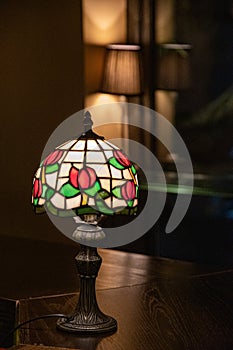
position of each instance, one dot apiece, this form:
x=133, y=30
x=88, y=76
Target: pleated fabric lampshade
x=122, y=70
x=173, y=67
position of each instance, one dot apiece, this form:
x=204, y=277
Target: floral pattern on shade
x=128, y=191
x=37, y=188
x=119, y=161
x=87, y=178
x=72, y=180
x=53, y=157
x=73, y=176
x=121, y=158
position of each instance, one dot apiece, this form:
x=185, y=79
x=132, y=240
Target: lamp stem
x=87, y=318
x=88, y=263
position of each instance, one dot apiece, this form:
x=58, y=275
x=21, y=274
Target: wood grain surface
x=36, y=268
x=35, y=347
x=160, y=304
x=193, y=313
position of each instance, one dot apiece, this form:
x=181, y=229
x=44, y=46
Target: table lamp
x=86, y=178
x=122, y=73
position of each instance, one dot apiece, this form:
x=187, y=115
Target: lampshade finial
x=87, y=121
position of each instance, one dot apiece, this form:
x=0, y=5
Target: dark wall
x=41, y=64
x=208, y=27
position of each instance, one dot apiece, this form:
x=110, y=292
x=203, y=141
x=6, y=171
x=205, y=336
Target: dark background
x=41, y=64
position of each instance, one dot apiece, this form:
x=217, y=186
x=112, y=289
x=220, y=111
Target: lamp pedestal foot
x=87, y=318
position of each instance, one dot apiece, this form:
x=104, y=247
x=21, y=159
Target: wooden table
x=159, y=304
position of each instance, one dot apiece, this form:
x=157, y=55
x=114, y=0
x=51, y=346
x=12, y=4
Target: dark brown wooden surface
x=36, y=268
x=190, y=313
x=35, y=347
x=159, y=304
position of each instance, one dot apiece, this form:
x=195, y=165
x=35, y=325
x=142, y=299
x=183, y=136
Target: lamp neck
x=87, y=122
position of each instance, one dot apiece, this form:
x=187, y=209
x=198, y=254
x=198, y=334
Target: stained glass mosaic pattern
x=85, y=176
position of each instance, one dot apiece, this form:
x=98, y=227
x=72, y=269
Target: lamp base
x=87, y=318
x=76, y=324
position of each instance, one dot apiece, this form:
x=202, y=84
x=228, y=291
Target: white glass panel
x=111, y=145
x=91, y=201
x=51, y=179
x=101, y=170
x=66, y=145
x=118, y=183
x=116, y=174
x=38, y=173
x=136, y=177
x=61, y=182
x=92, y=145
x=105, y=184
x=135, y=203
x=127, y=174
x=118, y=203
x=64, y=169
x=74, y=156
x=105, y=145
x=108, y=154
x=78, y=165
x=58, y=201
x=108, y=202
x=95, y=157
x=79, y=146
x=41, y=201
x=73, y=202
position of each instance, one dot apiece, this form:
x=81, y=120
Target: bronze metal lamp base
x=87, y=318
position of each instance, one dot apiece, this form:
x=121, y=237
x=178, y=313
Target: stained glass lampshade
x=86, y=177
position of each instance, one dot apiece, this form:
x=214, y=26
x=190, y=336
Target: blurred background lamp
x=122, y=75
x=173, y=67
x=86, y=178
x=122, y=70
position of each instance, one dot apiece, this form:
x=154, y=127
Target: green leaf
x=124, y=211
x=130, y=203
x=116, y=164
x=35, y=201
x=51, y=208
x=86, y=210
x=66, y=213
x=134, y=171
x=44, y=189
x=117, y=192
x=49, y=193
x=51, y=168
x=103, y=194
x=93, y=190
x=103, y=208
x=68, y=190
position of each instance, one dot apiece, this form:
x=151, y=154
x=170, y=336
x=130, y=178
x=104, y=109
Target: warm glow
x=99, y=99
x=123, y=47
x=104, y=21
x=165, y=20
x=165, y=102
x=109, y=131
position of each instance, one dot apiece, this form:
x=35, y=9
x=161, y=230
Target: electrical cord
x=29, y=321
